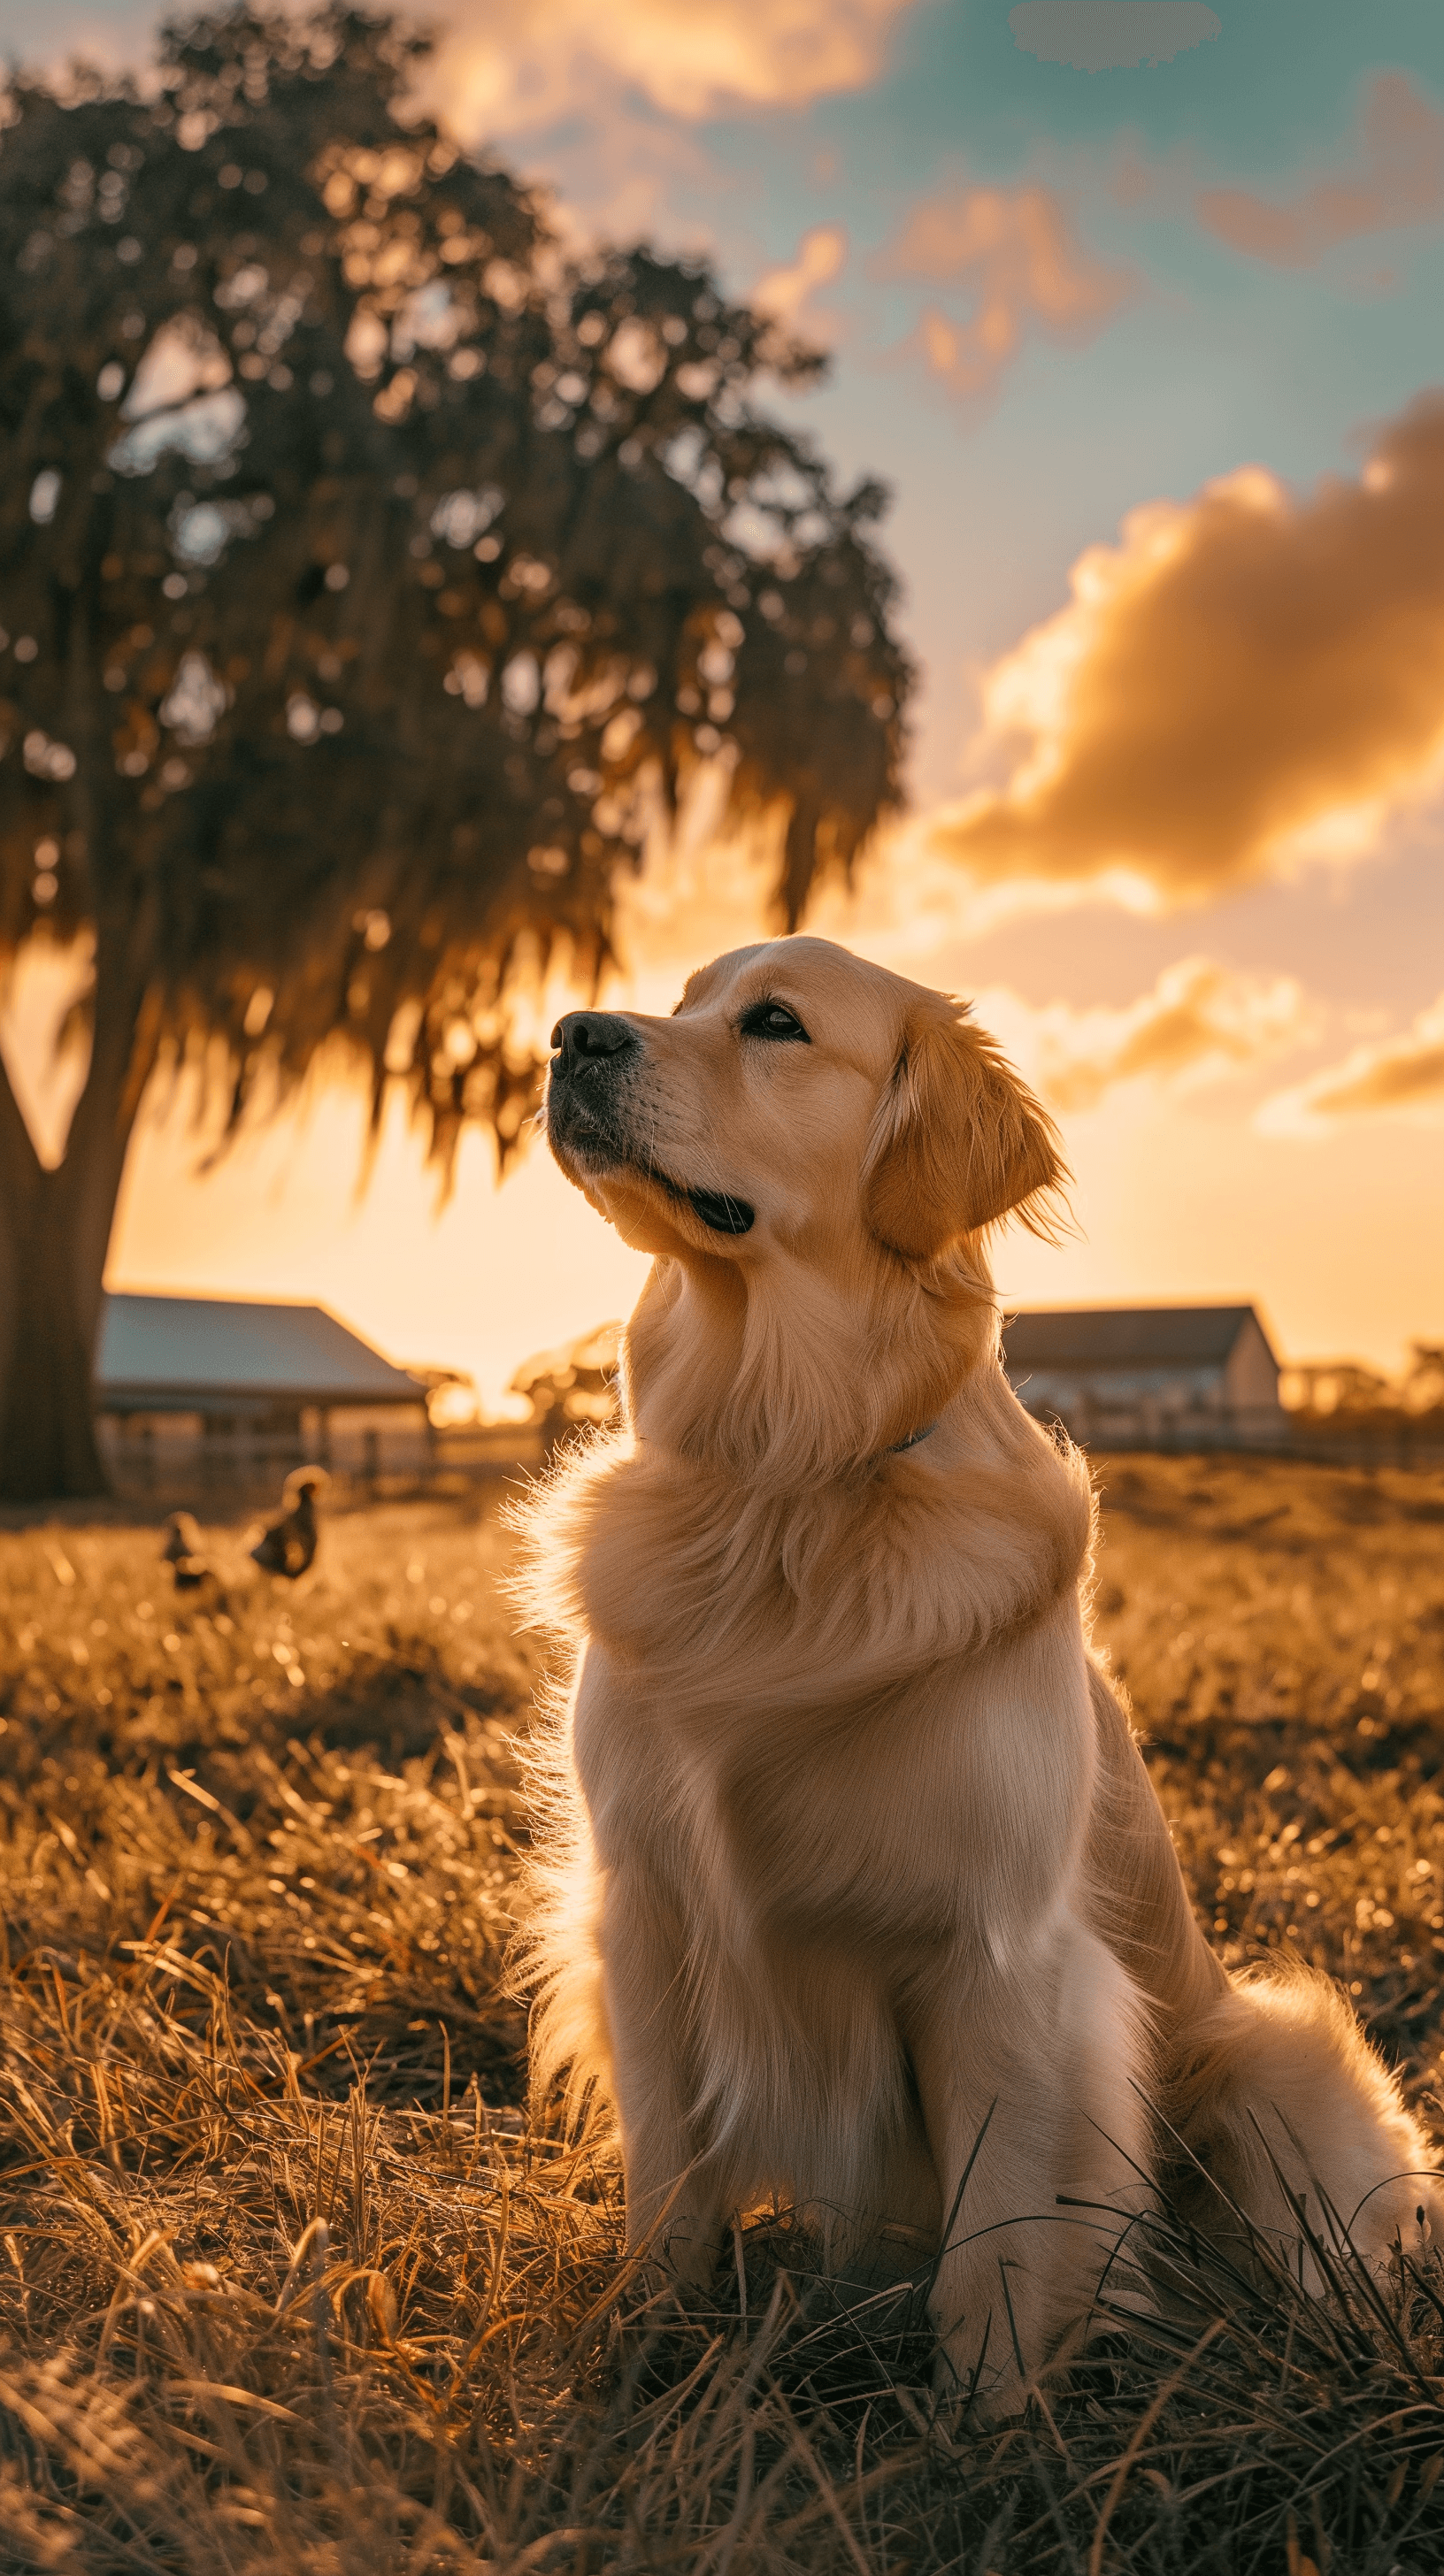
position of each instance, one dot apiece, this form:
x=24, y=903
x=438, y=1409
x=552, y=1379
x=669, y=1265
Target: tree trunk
x=47, y=1428
x=54, y=1235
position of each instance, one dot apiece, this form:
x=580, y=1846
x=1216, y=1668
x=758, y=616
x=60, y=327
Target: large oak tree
x=372, y=572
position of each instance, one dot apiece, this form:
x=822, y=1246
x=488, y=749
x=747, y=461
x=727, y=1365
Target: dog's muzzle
x=595, y=1051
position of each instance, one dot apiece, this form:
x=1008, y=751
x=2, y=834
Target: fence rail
x=237, y=1473
x=1395, y=1444
x=167, y=1470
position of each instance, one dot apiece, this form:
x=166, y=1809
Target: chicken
x=288, y=1545
x=182, y=1553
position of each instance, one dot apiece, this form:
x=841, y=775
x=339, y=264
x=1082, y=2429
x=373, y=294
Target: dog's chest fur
x=847, y=1717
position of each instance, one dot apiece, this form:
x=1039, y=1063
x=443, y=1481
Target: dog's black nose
x=588, y=1037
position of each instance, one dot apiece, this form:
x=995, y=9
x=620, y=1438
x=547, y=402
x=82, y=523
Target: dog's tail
x=1279, y=2110
x=1290, y=2124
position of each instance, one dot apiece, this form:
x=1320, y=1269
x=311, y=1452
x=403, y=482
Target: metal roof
x=202, y=1353
x=1126, y=1337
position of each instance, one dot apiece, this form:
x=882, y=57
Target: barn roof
x=1126, y=1337
x=203, y=1353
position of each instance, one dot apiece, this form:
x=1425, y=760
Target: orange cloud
x=1398, y=180
x=1200, y=1020
x=1012, y=252
x=1244, y=681
x=821, y=256
x=1401, y=1076
x=1111, y=35
x=513, y=65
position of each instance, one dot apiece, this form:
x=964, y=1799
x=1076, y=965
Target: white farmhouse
x=1145, y=1376
x=249, y=1374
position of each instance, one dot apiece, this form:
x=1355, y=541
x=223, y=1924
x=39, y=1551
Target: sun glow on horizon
x=1176, y=1199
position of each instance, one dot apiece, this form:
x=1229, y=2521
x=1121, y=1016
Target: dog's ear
x=959, y=1142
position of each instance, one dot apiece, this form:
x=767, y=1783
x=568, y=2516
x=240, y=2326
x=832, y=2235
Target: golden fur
x=855, y=1881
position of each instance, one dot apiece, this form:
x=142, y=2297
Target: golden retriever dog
x=856, y=1893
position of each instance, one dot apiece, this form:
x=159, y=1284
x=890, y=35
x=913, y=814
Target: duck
x=288, y=1544
x=182, y=1553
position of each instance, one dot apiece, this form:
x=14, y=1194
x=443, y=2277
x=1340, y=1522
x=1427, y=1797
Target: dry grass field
x=286, y=2284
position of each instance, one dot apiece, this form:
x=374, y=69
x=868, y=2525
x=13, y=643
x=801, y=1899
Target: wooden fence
x=217, y=1477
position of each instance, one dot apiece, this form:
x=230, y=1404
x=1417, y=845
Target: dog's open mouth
x=585, y=1137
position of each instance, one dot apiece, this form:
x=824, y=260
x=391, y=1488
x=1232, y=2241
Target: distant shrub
x=572, y=1388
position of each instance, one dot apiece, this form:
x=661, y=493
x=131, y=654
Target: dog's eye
x=773, y=1020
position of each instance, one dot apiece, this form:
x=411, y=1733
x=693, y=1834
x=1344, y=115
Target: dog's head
x=799, y=1102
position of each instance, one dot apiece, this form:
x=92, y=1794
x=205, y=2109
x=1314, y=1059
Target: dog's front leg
x=1031, y=2088
x=672, y=2206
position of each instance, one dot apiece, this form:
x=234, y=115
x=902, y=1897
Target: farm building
x=252, y=1372
x=1146, y=1375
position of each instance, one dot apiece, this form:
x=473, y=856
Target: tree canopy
x=373, y=570
x=369, y=565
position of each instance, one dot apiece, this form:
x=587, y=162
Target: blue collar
x=913, y=1438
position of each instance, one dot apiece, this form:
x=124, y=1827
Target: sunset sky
x=1135, y=304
